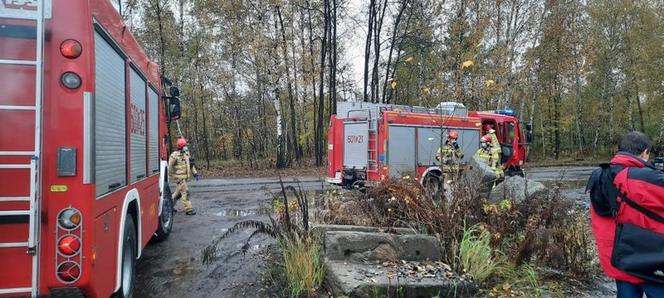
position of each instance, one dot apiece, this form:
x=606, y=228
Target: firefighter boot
x=184, y=193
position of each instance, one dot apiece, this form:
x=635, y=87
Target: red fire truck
x=82, y=150
x=372, y=142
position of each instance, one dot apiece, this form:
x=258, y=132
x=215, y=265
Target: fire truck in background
x=368, y=143
x=83, y=184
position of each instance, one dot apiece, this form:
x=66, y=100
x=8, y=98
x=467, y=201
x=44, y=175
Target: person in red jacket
x=640, y=181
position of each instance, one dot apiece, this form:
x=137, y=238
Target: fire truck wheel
x=166, y=217
x=128, y=266
x=432, y=184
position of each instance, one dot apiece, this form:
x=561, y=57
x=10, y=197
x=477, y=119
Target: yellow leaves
x=409, y=59
x=489, y=83
x=393, y=84
x=467, y=63
x=426, y=90
x=505, y=205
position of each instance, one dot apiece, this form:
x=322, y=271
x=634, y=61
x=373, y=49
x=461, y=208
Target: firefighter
x=449, y=156
x=180, y=169
x=489, y=156
x=495, y=145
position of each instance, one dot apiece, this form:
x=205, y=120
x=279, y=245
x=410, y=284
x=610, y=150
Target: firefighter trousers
x=182, y=190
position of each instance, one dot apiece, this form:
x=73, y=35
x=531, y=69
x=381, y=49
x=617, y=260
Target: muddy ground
x=174, y=268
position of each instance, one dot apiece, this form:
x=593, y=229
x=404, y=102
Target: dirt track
x=174, y=269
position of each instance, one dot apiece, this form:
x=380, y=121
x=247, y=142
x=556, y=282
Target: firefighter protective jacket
x=179, y=166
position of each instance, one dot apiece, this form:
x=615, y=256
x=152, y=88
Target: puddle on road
x=240, y=212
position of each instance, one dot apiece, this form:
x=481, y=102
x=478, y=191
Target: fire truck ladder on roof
x=32, y=243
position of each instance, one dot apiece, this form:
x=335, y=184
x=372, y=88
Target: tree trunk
x=378, y=27
x=291, y=100
x=323, y=50
x=397, y=20
x=333, y=108
x=367, y=48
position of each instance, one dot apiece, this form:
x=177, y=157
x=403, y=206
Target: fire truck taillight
x=69, y=245
x=69, y=219
x=70, y=80
x=71, y=48
x=69, y=272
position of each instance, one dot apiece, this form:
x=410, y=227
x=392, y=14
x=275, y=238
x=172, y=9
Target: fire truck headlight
x=69, y=219
x=70, y=80
x=69, y=245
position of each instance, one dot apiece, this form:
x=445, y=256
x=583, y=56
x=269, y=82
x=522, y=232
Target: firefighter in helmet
x=489, y=156
x=495, y=145
x=450, y=154
x=180, y=169
x=449, y=157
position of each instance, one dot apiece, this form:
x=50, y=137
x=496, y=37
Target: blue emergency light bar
x=506, y=112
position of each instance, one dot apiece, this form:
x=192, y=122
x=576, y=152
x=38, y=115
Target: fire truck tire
x=128, y=266
x=166, y=217
x=66, y=293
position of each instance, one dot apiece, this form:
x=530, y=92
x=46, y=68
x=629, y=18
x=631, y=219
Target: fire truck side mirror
x=174, y=108
x=529, y=133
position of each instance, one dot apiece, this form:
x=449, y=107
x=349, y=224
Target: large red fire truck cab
x=512, y=141
x=368, y=143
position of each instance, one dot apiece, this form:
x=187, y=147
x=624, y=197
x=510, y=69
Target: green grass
x=476, y=255
x=304, y=270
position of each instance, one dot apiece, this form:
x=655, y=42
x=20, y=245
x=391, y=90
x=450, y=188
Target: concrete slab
x=353, y=246
x=363, y=280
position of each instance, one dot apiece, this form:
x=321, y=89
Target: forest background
x=260, y=78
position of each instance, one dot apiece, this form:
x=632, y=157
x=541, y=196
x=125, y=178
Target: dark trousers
x=630, y=290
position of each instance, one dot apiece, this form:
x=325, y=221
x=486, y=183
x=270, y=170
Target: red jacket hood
x=627, y=160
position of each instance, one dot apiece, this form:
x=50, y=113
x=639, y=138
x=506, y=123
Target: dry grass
x=507, y=239
x=303, y=267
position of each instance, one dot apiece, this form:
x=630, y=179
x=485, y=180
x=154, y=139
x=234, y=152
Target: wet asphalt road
x=174, y=269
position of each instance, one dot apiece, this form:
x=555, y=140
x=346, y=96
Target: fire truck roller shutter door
x=110, y=128
x=356, y=144
x=138, y=126
x=428, y=143
x=469, y=140
x=401, y=151
x=153, y=124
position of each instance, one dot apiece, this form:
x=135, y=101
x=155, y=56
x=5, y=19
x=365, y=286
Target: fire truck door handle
x=114, y=185
x=140, y=176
